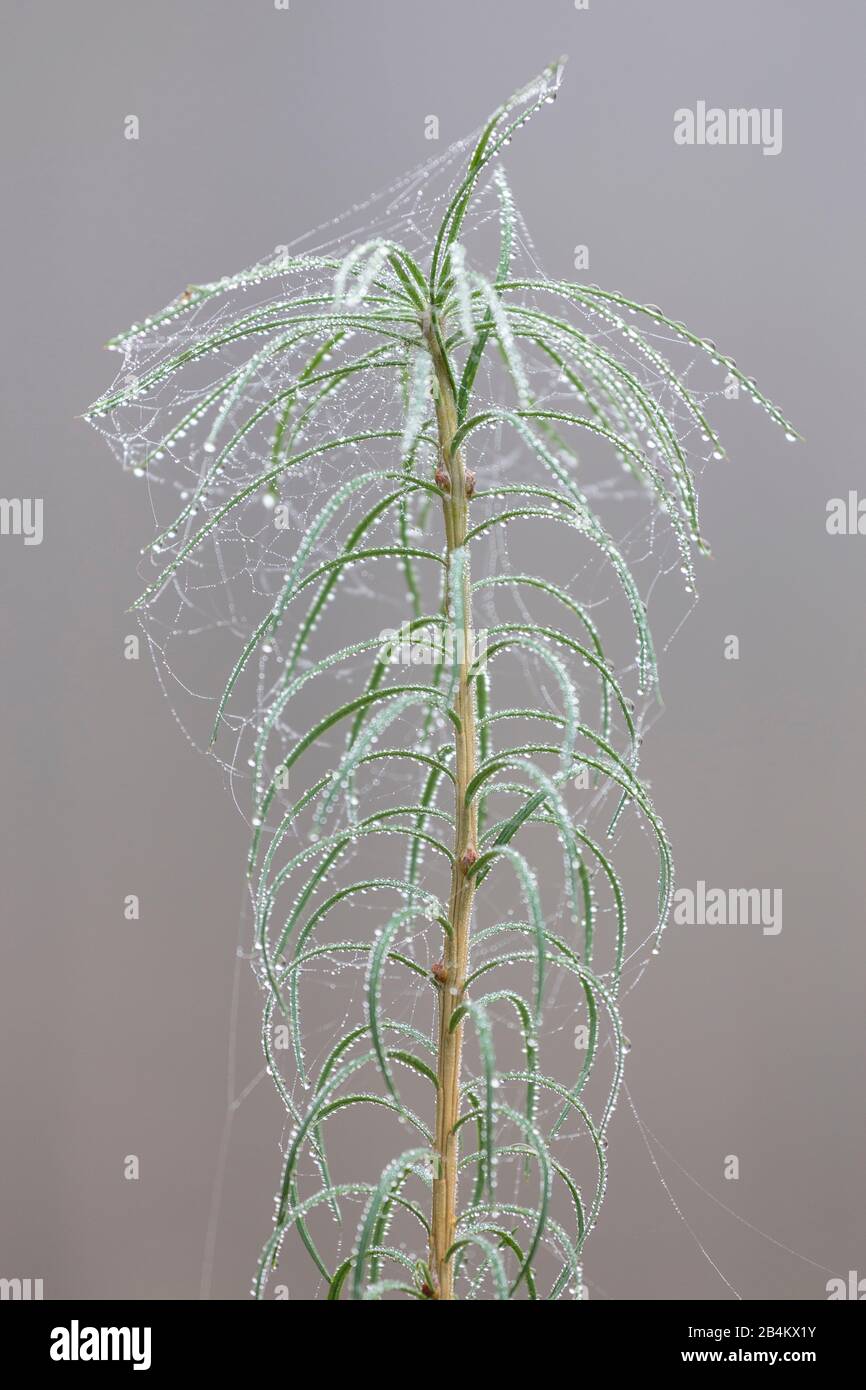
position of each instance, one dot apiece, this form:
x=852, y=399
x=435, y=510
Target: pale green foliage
x=330, y=369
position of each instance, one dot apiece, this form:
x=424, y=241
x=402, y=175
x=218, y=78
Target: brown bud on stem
x=441, y=479
x=439, y=973
x=469, y=483
x=468, y=858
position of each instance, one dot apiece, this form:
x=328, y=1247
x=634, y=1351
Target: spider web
x=202, y=414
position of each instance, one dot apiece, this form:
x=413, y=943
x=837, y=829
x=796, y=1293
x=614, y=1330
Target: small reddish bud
x=441, y=479
x=468, y=858
x=426, y=1291
x=469, y=483
x=439, y=973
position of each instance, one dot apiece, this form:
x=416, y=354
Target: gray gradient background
x=255, y=125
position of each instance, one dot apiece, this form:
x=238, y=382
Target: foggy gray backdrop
x=255, y=125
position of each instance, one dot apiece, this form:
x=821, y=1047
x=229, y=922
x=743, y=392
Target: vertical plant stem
x=455, y=962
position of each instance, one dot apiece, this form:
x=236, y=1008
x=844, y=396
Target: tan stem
x=456, y=957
